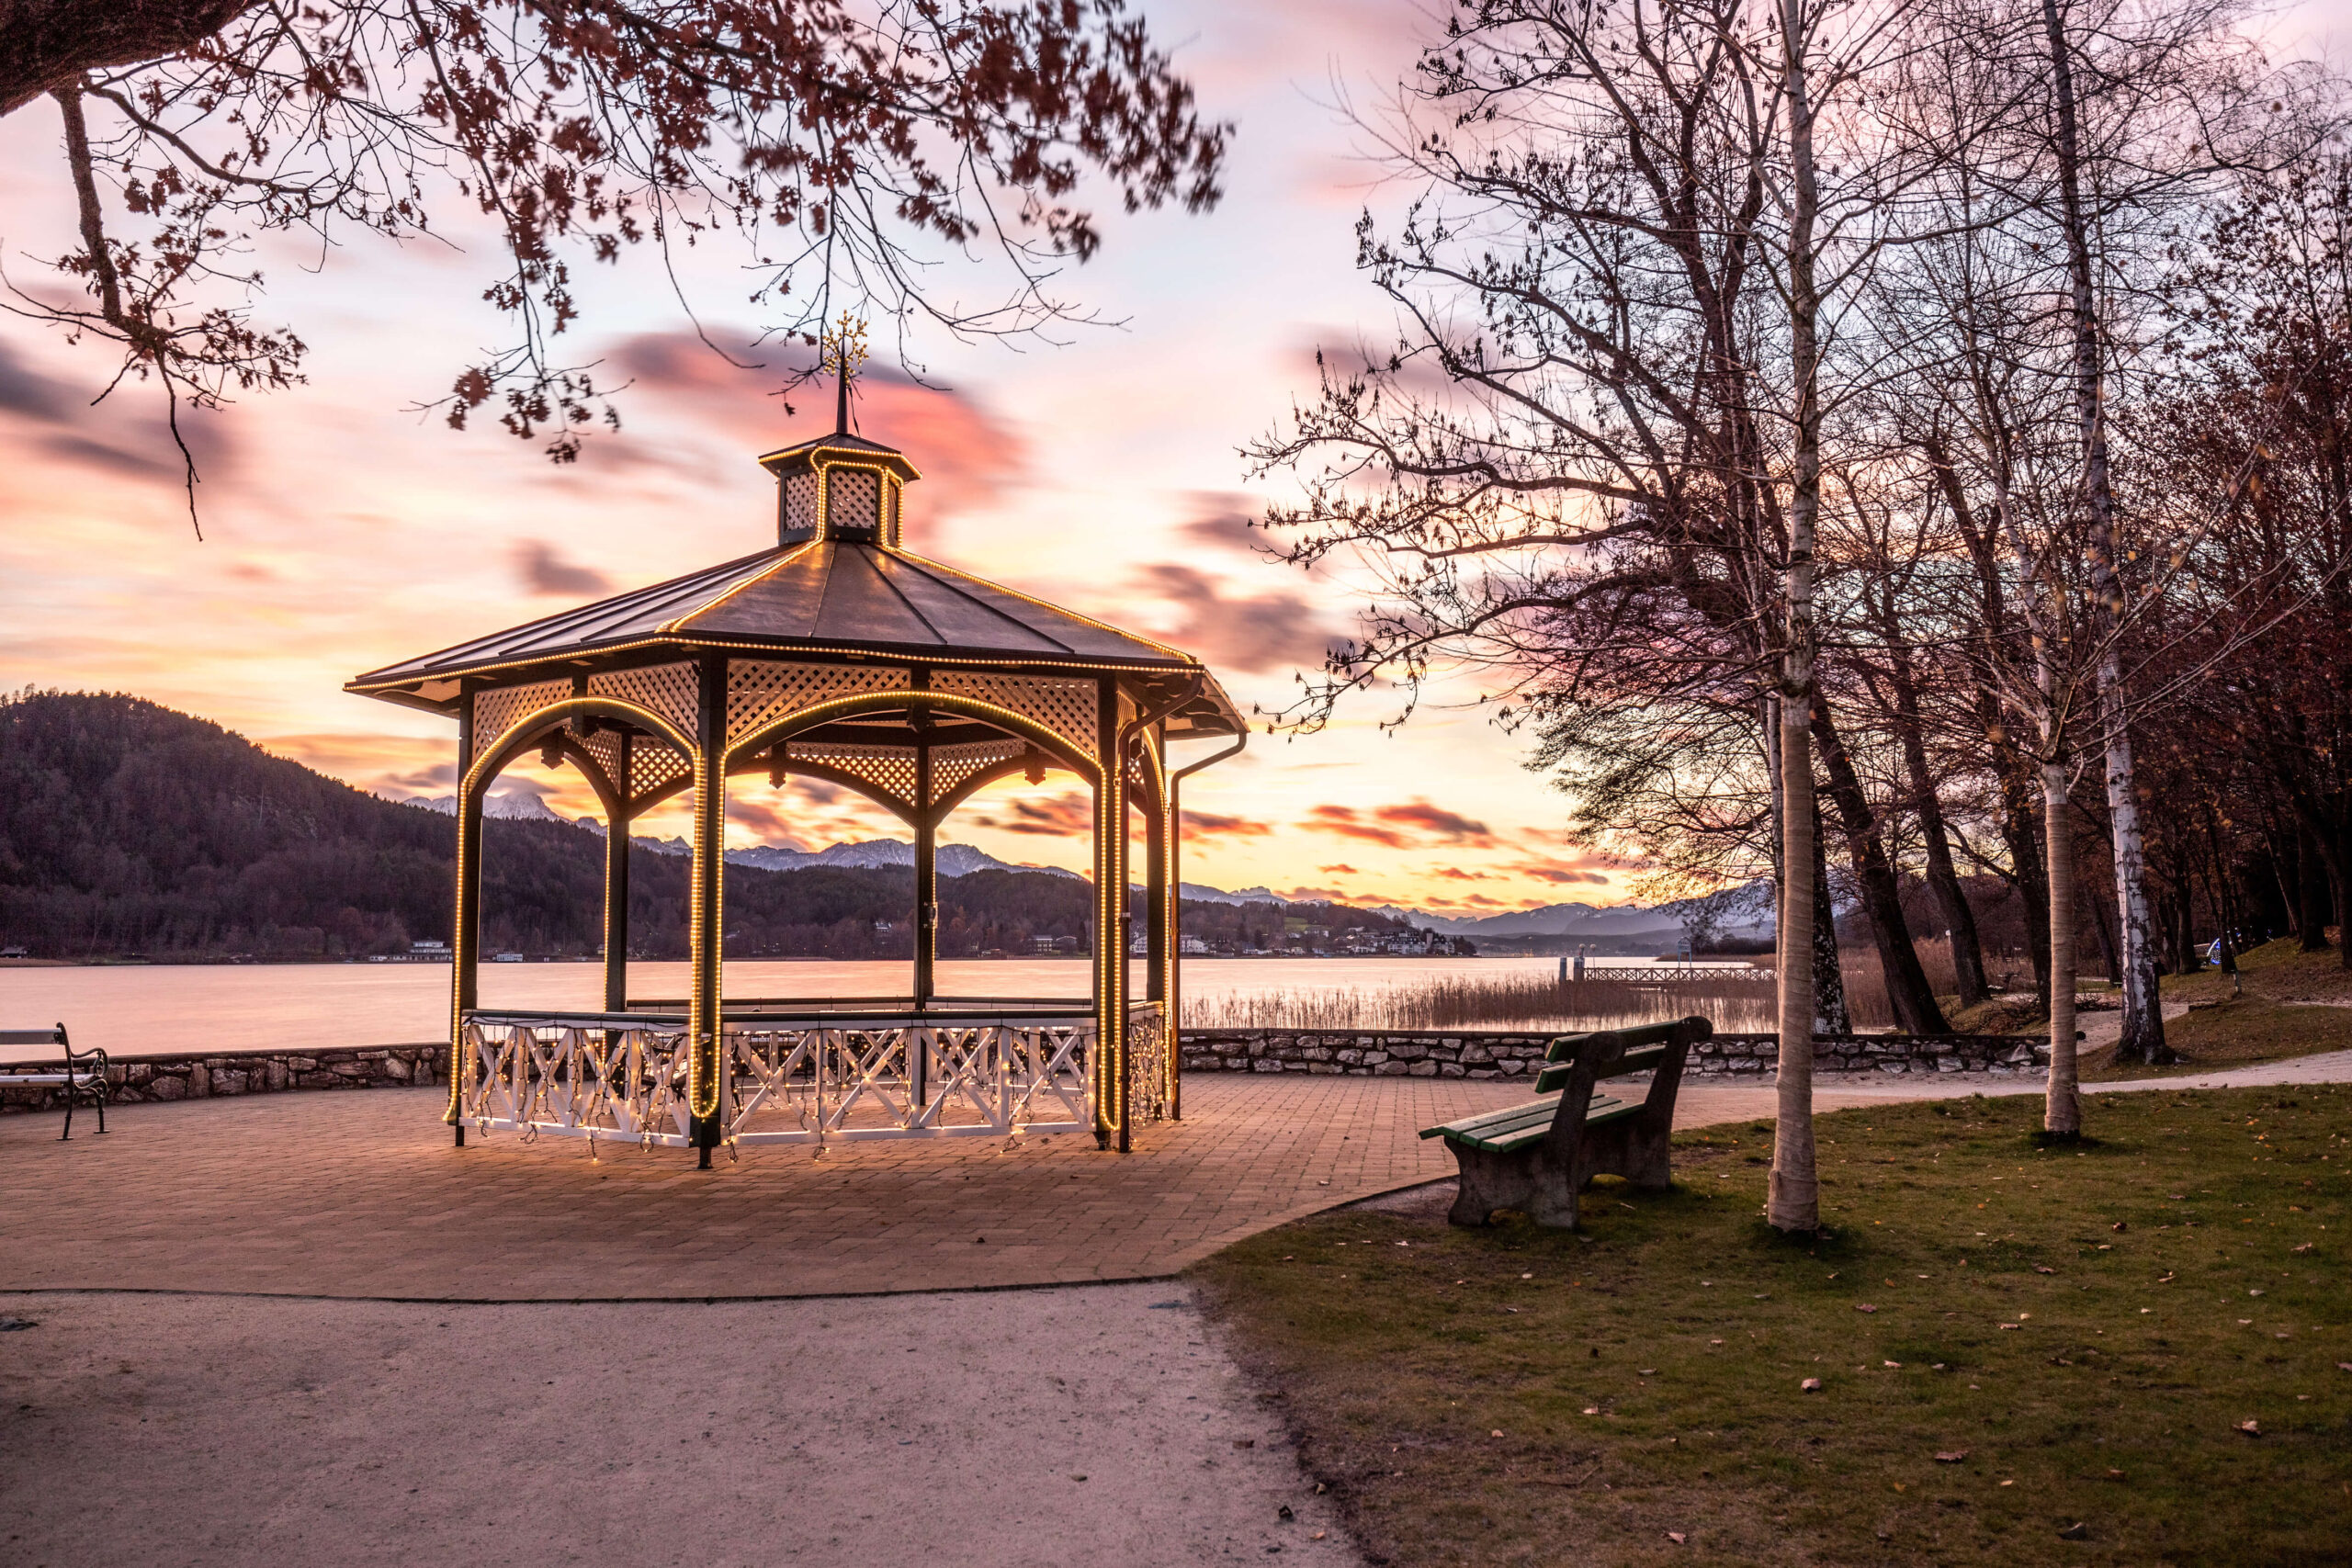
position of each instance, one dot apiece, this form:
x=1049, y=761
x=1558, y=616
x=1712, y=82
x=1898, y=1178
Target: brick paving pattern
x=361, y=1195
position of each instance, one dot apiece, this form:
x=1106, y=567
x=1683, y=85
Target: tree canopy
x=844, y=146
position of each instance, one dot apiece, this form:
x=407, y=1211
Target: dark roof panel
x=844, y=594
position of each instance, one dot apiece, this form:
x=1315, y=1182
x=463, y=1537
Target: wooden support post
x=465, y=935
x=1160, y=935
x=926, y=932
x=705, y=1024
x=617, y=827
x=1156, y=923
x=1110, y=925
x=926, y=855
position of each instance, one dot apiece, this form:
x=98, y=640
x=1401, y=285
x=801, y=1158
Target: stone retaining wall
x=1451, y=1053
x=1459, y=1053
x=205, y=1075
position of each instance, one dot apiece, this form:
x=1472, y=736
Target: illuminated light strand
x=1075, y=664
x=486, y=765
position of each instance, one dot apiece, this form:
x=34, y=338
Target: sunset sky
x=344, y=532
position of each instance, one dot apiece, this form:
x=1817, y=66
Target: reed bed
x=1736, y=1003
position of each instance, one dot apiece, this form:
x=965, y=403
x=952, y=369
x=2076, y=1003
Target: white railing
x=577, y=1078
x=801, y=1080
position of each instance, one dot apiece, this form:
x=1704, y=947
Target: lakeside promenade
x=303, y=1327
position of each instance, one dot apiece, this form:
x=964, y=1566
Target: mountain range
x=128, y=829
x=1742, y=914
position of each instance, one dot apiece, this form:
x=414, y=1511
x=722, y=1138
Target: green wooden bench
x=1538, y=1157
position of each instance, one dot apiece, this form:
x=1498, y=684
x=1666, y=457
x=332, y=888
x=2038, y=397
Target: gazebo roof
x=846, y=594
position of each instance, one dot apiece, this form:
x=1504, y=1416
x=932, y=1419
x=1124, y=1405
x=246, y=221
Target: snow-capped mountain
x=1742, y=912
x=518, y=805
x=955, y=859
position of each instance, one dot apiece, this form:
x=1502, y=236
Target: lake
x=213, y=1007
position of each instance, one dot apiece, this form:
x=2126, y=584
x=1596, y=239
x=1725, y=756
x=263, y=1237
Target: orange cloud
x=1417, y=825
x=1580, y=873
x=543, y=570
x=1054, y=817
x=967, y=456
x=1342, y=869
x=1212, y=823
x=1347, y=823
x=1251, y=634
x=1437, y=821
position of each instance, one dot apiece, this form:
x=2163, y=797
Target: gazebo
x=836, y=655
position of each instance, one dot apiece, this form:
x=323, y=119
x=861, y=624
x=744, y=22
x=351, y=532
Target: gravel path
x=1075, y=1424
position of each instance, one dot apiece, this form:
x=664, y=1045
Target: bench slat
x=1502, y=1131
x=1525, y=1137
x=1554, y=1077
x=30, y=1037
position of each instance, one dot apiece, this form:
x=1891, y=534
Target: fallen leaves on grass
x=1810, y=1385
x=2250, y=1428
x=1864, y=1306
x=1952, y=1456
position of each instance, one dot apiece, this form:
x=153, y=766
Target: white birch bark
x=1796, y=1199
x=2062, y=1106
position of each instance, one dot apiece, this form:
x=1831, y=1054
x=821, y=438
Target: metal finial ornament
x=841, y=351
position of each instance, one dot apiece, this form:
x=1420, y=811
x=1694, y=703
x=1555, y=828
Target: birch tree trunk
x=2144, y=1026
x=1795, y=1201
x=2063, y=1109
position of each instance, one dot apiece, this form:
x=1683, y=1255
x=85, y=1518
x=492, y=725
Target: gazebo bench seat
x=1540, y=1156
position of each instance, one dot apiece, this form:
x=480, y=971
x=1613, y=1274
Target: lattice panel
x=1063, y=705
x=856, y=500
x=656, y=765
x=673, y=691
x=605, y=747
x=760, y=692
x=952, y=766
x=498, y=711
x=800, y=503
x=891, y=769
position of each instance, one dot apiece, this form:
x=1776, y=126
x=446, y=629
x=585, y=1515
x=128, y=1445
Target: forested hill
x=127, y=828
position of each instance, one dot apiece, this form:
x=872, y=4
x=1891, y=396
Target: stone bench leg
x=1631, y=1147
x=1529, y=1181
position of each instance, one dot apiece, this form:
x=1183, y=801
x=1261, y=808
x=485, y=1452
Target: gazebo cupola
x=835, y=654
x=839, y=487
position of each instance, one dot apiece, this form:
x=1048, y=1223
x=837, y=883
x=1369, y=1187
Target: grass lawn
x=2011, y=1341
x=2277, y=971
x=2232, y=1033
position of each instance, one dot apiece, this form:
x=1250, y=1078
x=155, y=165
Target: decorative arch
x=520, y=736
x=524, y=733
x=780, y=730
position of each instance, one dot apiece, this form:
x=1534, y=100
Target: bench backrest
x=54, y=1035
x=1635, y=1050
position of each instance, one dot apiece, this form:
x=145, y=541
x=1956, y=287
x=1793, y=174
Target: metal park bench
x=85, y=1073
x=1538, y=1157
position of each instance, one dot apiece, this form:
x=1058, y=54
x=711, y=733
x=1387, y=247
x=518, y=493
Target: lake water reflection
x=137, y=1008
